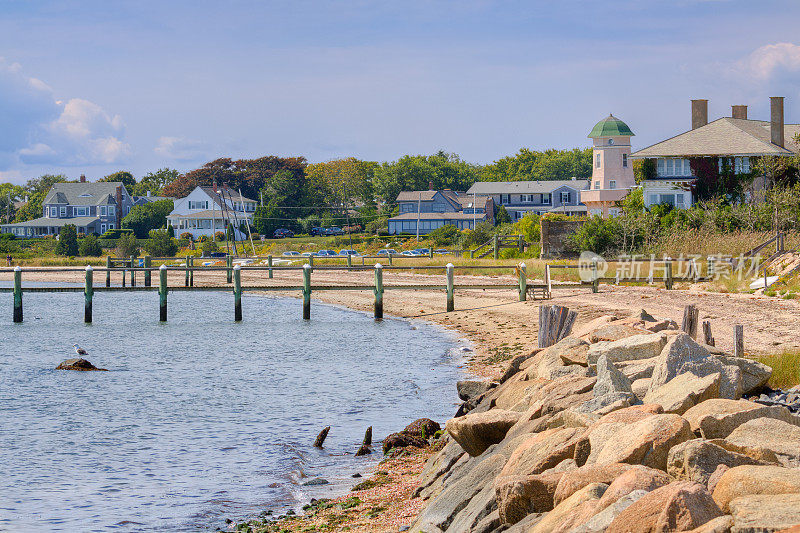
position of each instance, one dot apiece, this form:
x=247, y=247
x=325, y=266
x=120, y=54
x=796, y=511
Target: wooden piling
x=321, y=437
x=148, y=262
x=707, y=337
x=496, y=247
x=269, y=263
x=390, y=259
x=367, y=437
x=162, y=292
x=229, y=272
x=17, y=294
x=555, y=323
x=668, y=275
x=595, y=278
x=523, y=282
x=690, y=316
x=191, y=271
x=378, y=291
x=123, y=273
x=450, y=289
x=738, y=340
x=108, y=271
x=186, y=281
x=349, y=261
x=311, y=261
x=521, y=244
x=237, y=293
x=306, y=291
x=133, y=272
x=88, y=292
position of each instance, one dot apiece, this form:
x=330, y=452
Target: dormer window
x=85, y=195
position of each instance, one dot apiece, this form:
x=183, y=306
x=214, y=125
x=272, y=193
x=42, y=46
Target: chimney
x=214, y=184
x=699, y=113
x=739, y=111
x=776, y=119
x=119, y=206
x=83, y=178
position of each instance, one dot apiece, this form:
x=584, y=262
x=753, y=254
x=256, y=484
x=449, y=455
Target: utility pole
x=474, y=211
x=419, y=213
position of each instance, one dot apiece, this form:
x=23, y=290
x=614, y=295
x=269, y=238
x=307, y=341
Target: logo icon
x=586, y=266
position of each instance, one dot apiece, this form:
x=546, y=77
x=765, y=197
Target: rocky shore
x=627, y=425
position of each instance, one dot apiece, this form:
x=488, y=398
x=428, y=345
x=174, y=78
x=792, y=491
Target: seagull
x=79, y=350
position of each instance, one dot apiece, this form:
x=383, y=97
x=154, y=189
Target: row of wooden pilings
x=234, y=275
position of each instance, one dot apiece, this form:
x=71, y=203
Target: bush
x=90, y=247
x=219, y=236
x=445, y=236
x=127, y=246
x=171, y=231
x=501, y=216
x=599, y=235
x=67, y=241
x=529, y=226
x=209, y=247
x=203, y=238
x=481, y=234
x=186, y=236
x=161, y=244
x=116, y=233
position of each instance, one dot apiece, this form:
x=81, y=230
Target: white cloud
x=181, y=148
x=44, y=130
x=771, y=61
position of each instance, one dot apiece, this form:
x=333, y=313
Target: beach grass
x=785, y=368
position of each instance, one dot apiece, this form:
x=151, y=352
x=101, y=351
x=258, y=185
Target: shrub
x=219, y=236
x=599, y=235
x=161, y=244
x=444, y=236
x=501, y=216
x=481, y=234
x=116, y=233
x=67, y=241
x=529, y=226
x=186, y=236
x=209, y=247
x=203, y=238
x=171, y=231
x=127, y=246
x=90, y=247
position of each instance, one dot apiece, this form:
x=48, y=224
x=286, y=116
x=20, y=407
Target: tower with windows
x=612, y=168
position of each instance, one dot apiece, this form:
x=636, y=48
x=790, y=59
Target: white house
x=207, y=210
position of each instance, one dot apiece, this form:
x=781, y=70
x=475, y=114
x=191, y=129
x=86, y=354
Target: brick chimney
x=776, y=120
x=119, y=207
x=83, y=178
x=699, y=113
x=739, y=111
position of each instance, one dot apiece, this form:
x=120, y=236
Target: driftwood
x=321, y=437
x=367, y=437
x=690, y=317
x=708, y=338
x=555, y=323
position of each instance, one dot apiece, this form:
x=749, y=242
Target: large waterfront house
x=90, y=207
x=612, y=168
x=709, y=148
x=539, y=197
x=433, y=209
x=207, y=210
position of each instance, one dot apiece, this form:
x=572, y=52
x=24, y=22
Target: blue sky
x=93, y=87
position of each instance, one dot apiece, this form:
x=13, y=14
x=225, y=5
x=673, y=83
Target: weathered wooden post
x=710, y=268
x=237, y=293
x=521, y=244
x=108, y=271
x=133, y=272
x=269, y=263
x=162, y=292
x=148, y=262
x=17, y=294
x=450, y=289
x=186, y=281
x=88, y=292
x=738, y=340
x=430, y=253
x=708, y=338
x=523, y=283
x=306, y=291
x=668, y=275
x=311, y=261
x=378, y=291
x=349, y=261
x=548, y=281
x=595, y=279
x=390, y=259
x=229, y=272
x=122, y=262
x=496, y=249
x=191, y=271
x=690, y=316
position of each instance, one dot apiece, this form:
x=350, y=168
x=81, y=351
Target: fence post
x=123, y=272
x=738, y=340
x=689, y=324
x=108, y=271
x=521, y=244
x=311, y=261
x=710, y=268
x=306, y=291
x=350, y=261
x=668, y=275
x=186, y=281
x=450, y=289
x=237, y=293
x=390, y=259
x=523, y=283
x=133, y=272
x=162, y=292
x=595, y=279
x=378, y=291
x=191, y=272
x=148, y=262
x=88, y=292
x=430, y=253
x=548, y=280
x=269, y=263
x=708, y=338
x=17, y=294
x=229, y=272
x=495, y=240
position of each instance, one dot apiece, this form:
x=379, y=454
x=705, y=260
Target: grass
x=785, y=368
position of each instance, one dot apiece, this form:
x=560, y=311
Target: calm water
x=199, y=419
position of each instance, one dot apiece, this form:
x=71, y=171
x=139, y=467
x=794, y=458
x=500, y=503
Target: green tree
x=44, y=183
x=36, y=189
x=154, y=182
x=9, y=193
x=123, y=176
x=445, y=235
x=534, y=165
x=144, y=218
x=90, y=246
x=127, y=246
x=67, y=241
x=501, y=216
x=418, y=172
x=530, y=226
x=160, y=244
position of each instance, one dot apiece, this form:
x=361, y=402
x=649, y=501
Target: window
x=625, y=160
x=111, y=211
x=565, y=197
x=198, y=204
x=102, y=228
x=597, y=160
x=505, y=198
x=613, y=211
x=653, y=199
x=63, y=211
x=406, y=207
x=679, y=200
x=53, y=212
x=612, y=184
x=668, y=199
x=102, y=210
x=546, y=198
x=596, y=184
x=80, y=211
x=111, y=225
x=673, y=167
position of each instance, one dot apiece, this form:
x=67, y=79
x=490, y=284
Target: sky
x=91, y=87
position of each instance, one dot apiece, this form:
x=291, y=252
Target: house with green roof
x=612, y=170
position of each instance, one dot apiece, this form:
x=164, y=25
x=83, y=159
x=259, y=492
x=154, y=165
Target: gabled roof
x=44, y=222
x=83, y=193
x=227, y=192
x=525, y=187
x=610, y=126
x=725, y=137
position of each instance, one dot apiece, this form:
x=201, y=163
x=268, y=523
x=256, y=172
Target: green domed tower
x=612, y=169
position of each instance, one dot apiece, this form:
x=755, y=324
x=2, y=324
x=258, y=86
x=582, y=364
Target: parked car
x=325, y=253
x=317, y=231
x=348, y=252
x=334, y=230
x=441, y=251
x=411, y=253
x=282, y=233
x=387, y=251
x=291, y=253
x=423, y=251
x=308, y=254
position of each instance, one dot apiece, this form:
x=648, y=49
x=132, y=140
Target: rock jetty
x=630, y=425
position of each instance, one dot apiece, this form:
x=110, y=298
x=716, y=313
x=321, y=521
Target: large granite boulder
x=543, y=451
x=609, y=379
x=627, y=349
x=475, y=432
x=679, y=506
x=422, y=427
x=468, y=389
x=747, y=480
x=638, y=368
x=438, y=465
x=770, y=433
x=760, y=513
x=548, y=364
x=566, y=514
x=574, y=480
x=717, y=418
x=519, y=496
x=684, y=391
x=634, y=479
x=603, y=517
x=696, y=460
x=615, y=332
x=754, y=374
